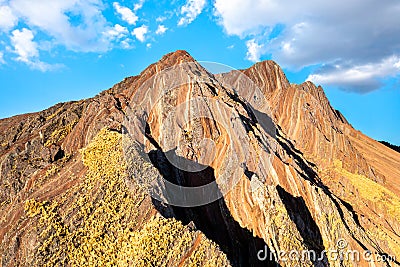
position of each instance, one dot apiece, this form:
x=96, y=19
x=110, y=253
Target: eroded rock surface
x=300, y=177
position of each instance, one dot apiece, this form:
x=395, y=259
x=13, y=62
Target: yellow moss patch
x=207, y=254
x=60, y=133
x=51, y=171
x=55, y=113
x=100, y=227
x=107, y=209
x=388, y=237
x=103, y=156
x=32, y=207
x=52, y=231
x=166, y=242
x=386, y=200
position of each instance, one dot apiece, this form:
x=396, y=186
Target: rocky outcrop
x=115, y=179
x=347, y=162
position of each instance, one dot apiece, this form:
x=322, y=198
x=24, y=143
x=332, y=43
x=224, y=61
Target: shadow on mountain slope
x=308, y=229
x=213, y=219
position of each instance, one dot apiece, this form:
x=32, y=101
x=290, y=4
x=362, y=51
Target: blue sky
x=59, y=50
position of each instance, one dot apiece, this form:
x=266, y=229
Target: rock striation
x=288, y=173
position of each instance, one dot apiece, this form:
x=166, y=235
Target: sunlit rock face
x=180, y=167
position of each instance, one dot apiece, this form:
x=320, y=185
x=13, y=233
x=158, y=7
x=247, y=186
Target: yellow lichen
x=383, y=200
x=60, y=133
x=33, y=208
x=101, y=228
x=55, y=113
x=51, y=171
x=166, y=242
x=368, y=189
x=52, y=230
x=206, y=255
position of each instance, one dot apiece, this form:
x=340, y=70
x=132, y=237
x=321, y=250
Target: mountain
x=394, y=147
x=180, y=167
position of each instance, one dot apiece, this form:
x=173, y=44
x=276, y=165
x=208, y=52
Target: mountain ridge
x=318, y=163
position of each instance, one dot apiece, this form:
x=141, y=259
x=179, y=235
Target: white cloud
x=27, y=50
x=2, y=61
x=316, y=32
x=126, y=43
x=362, y=78
x=138, y=5
x=117, y=32
x=238, y=17
x=7, y=18
x=161, y=29
x=55, y=18
x=43, y=66
x=76, y=25
x=161, y=19
x=190, y=11
x=24, y=46
x=254, y=50
x=148, y=45
x=140, y=33
x=126, y=14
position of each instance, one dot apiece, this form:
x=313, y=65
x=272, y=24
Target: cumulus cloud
x=254, y=50
x=364, y=33
x=138, y=5
x=76, y=25
x=7, y=18
x=126, y=14
x=27, y=50
x=117, y=32
x=119, y=35
x=24, y=46
x=140, y=33
x=362, y=78
x=161, y=29
x=239, y=17
x=55, y=19
x=126, y=43
x=190, y=11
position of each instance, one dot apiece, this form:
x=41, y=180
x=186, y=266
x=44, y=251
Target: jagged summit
x=177, y=57
x=70, y=191
x=169, y=60
x=276, y=77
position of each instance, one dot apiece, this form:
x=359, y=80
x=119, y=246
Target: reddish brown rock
x=299, y=176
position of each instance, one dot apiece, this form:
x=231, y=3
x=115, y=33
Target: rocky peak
x=71, y=188
x=168, y=61
x=268, y=75
x=177, y=57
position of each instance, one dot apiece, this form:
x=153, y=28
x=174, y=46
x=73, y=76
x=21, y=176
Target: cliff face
x=179, y=167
